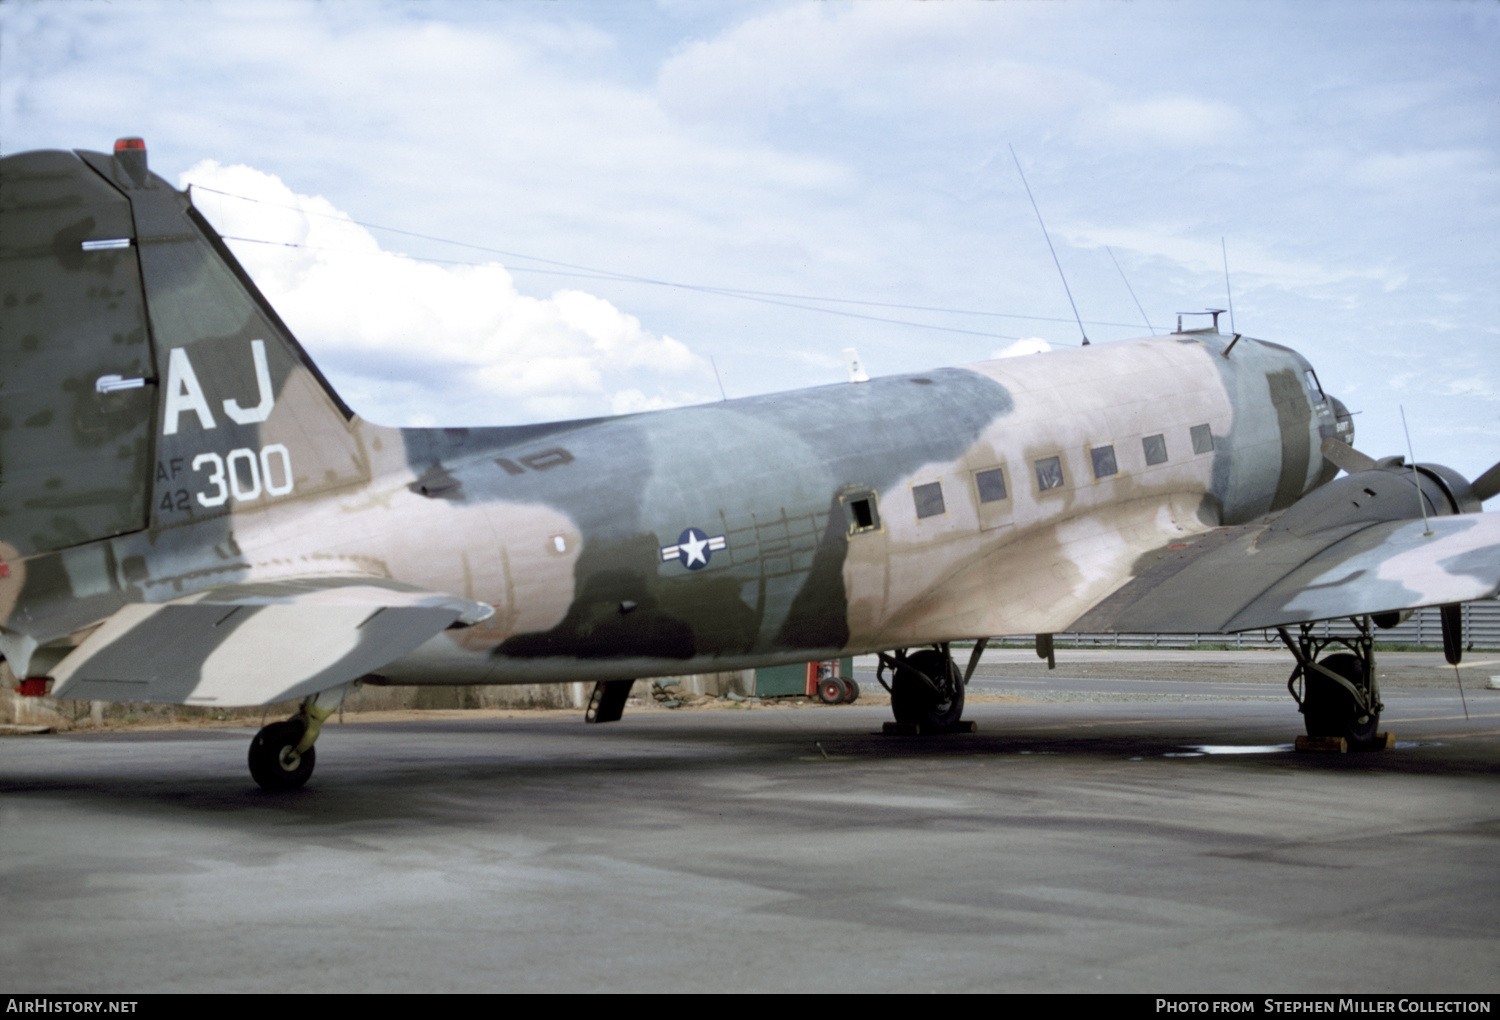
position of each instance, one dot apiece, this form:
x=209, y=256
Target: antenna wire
x=1053, y=250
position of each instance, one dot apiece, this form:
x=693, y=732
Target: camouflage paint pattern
x=189, y=513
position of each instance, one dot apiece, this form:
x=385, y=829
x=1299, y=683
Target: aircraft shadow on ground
x=449, y=769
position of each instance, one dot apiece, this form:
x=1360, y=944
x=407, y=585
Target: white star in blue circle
x=693, y=549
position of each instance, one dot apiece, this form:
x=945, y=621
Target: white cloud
x=416, y=342
x=1472, y=388
x=1030, y=345
x=1166, y=120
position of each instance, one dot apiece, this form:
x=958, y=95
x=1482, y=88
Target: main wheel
x=274, y=761
x=1329, y=710
x=913, y=701
x=831, y=691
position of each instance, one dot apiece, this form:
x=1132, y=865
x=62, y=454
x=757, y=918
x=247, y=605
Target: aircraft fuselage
x=784, y=527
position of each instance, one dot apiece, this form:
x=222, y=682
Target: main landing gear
x=927, y=687
x=1338, y=695
x=282, y=755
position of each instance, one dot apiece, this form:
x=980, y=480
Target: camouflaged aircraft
x=189, y=514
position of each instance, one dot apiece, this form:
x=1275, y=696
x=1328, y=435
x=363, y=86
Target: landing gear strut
x=927, y=687
x=1338, y=696
x=282, y=754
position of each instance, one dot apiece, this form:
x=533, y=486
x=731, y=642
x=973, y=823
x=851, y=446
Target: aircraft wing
x=1250, y=577
x=257, y=643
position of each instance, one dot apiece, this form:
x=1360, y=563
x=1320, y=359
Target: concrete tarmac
x=1161, y=844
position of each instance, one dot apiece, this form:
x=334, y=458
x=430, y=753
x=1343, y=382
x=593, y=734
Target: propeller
x=1487, y=485
x=1347, y=457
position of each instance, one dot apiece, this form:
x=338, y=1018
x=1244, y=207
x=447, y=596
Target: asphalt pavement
x=1136, y=835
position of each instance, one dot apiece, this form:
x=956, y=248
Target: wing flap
x=256, y=644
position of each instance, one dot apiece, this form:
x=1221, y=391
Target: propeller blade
x=1347, y=457
x=1487, y=484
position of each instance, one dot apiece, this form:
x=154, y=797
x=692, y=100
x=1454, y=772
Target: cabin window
x=1049, y=473
x=991, y=485
x=1156, y=449
x=929, y=499
x=861, y=513
x=864, y=517
x=1104, y=461
x=1313, y=386
x=1203, y=439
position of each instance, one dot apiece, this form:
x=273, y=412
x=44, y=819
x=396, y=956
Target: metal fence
x=1481, y=629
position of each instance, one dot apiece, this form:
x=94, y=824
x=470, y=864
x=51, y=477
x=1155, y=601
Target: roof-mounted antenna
x=718, y=380
x=1427, y=531
x=1227, y=294
x=1215, y=312
x=1129, y=288
x=1053, y=250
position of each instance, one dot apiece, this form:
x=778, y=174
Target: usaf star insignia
x=694, y=549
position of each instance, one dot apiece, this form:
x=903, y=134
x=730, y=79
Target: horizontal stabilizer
x=1247, y=578
x=257, y=643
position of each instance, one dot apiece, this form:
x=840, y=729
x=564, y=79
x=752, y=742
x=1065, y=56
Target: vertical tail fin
x=144, y=379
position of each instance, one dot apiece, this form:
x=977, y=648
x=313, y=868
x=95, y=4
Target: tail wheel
x=1329, y=710
x=275, y=763
x=914, y=701
x=831, y=691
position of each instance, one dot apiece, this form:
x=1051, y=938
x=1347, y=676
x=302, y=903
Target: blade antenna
x=1416, y=479
x=1227, y=293
x=1129, y=288
x=718, y=380
x=1048, y=236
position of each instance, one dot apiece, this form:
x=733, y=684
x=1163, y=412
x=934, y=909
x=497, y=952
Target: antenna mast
x=1053, y=250
x=1416, y=478
x=718, y=380
x=1227, y=294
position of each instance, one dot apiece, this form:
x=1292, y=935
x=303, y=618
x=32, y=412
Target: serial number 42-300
x=242, y=473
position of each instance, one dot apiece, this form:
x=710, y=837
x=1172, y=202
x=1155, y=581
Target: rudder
x=77, y=390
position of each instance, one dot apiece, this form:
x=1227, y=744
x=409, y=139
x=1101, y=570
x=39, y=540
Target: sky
x=651, y=201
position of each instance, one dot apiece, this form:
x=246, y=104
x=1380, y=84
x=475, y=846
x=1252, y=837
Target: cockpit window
x=1312, y=384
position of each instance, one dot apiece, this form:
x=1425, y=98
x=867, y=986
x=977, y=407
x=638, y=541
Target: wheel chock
x=896, y=729
x=1379, y=742
x=1329, y=745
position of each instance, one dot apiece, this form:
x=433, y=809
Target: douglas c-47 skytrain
x=189, y=514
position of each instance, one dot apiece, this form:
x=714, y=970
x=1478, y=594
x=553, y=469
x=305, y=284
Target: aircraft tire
x=1328, y=710
x=831, y=691
x=913, y=702
x=272, y=765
